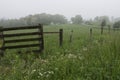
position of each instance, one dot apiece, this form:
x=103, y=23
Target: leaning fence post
x=90, y=34
x=61, y=37
x=101, y=30
x=71, y=34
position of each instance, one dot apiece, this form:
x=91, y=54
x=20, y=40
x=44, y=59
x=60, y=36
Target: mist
x=87, y=8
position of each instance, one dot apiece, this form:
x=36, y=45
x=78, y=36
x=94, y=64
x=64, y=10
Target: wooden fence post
x=101, y=30
x=90, y=34
x=71, y=34
x=61, y=37
x=1, y=37
x=41, y=31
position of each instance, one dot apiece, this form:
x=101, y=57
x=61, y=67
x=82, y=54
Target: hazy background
x=86, y=8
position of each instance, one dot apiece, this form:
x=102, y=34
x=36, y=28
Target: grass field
x=85, y=58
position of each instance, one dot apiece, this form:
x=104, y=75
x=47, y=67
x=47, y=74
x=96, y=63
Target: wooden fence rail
x=16, y=38
x=60, y=35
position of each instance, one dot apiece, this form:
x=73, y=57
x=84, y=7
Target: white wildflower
x=40, y=74
x=43, y=61
x=33, y=71
x=50, y=72
x=47, y=75
x=80, y=57
x=85, y=49
x=56, y=69
x=72, y=56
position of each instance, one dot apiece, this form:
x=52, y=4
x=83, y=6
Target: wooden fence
x=60, y=35
x=39, y=33
x=17, y=38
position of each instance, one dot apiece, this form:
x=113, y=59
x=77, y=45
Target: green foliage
x=116, y=24
x=89, y=22
x=102, y=19
x=82, y=59
x=77, y=19
x=59, y=19
x=103, y=23
x=36, y=19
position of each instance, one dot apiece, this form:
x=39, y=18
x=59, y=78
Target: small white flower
x=50, y=72
x=56, y=69
x=34, y=70
x=72, y=56
x=85, y=49
x=40, y=74
x=47, y=75
x=80, y=57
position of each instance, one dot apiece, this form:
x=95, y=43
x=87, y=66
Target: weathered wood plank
x=22, y=34
x=38, y=33
x=23, y=40
x=20, y=46
x=42, y=40
x=19, y=28
x=61, y=37
x=50, y=32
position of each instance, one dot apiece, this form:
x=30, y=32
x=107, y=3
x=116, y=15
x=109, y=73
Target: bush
x=116, y=24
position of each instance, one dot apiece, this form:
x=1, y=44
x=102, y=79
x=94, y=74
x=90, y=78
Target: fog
x=86, y=8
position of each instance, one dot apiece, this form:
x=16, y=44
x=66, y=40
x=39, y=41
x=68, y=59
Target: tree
x=58, y=19
x=88, y=22
x=100, y=19
x=28, y=19
x=36, y=19
x=77, y=19
x=116, y=24
x=103, y=23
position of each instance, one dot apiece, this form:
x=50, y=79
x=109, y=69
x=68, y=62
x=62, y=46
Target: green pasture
x=85, y=58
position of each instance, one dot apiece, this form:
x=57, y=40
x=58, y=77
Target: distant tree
x=58, y=19
x=88, y=22
x=77, y=19
x=96, y=19
x=43, y=18
x=36, y=19
x=116, y=19
x=2, y=22
x=103, y=23
x=100, y=19
x=46, y=19
x=28, y=19
x=116, y=24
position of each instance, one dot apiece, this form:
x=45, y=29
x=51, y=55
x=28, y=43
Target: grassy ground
x=85, y=58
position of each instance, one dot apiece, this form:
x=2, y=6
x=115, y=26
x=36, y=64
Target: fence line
x=60, y=35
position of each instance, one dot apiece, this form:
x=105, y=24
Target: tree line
x=43, y=18
x=47, y=19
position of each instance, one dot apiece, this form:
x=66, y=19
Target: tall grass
x=83, y=59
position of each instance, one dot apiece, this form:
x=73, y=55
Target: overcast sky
x=69, y=8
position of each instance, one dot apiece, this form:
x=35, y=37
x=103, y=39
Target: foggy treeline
x=43, y=18
x=47, y=19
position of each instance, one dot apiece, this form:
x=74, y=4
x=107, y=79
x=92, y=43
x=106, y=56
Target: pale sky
x=69, y=8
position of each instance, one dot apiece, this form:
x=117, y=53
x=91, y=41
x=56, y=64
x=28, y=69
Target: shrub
x=116, y=24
